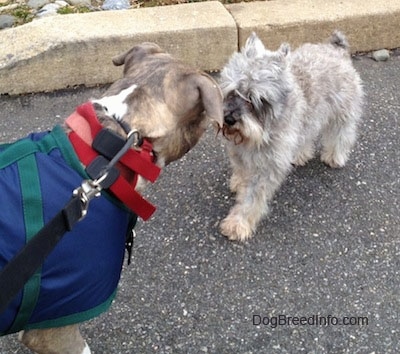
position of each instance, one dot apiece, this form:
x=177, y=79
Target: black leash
x=24, y=265
x=21, y=268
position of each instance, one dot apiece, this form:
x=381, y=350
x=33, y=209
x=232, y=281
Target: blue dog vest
x=78, y=280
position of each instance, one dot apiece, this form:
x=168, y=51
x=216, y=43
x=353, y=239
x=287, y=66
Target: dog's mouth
x=231, y=133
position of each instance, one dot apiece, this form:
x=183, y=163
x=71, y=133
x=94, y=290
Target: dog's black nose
x=232, y=109
x=229, y=119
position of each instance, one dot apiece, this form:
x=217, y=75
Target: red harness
x=85, y=126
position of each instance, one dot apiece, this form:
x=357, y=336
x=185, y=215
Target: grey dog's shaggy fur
x=277, y=106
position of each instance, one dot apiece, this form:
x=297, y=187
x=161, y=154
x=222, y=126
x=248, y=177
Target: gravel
x=42, y=8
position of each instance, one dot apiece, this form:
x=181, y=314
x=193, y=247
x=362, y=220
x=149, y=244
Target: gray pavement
x=330, y=247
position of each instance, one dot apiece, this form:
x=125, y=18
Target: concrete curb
x=368, y=24
x=63, y=51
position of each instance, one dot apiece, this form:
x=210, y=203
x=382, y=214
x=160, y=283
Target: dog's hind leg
x=62, y=340
x=306, y=143
x=305, y=154
x=337, y=141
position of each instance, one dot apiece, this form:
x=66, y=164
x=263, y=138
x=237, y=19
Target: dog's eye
x=249, y=104
x=231, y=96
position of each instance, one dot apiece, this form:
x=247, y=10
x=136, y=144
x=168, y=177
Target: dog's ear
x=210, y=94
x=254, y=47
x=200, y=87
x=284, y=49
x=136, y=54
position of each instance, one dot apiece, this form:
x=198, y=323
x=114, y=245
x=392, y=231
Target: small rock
x=116, y=5
x=48, y=10
x=37, y=4
x=6, y=21
x=381, y=55
x=78, y=3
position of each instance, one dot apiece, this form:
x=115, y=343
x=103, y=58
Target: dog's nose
x=229, y=119
x=231, y=110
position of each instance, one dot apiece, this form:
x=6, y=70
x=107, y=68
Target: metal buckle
x=137, y=140
x=88, y=190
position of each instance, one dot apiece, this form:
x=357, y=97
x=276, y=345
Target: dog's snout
x=231, y=111
x=229, y=119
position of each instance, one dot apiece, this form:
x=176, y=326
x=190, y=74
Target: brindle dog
x=170, y=104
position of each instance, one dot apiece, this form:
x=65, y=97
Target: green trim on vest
x=33, y=218
x=61, y=141
x=75, y=318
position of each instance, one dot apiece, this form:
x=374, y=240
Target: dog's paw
x=332, y=160
x=305, y=155
x=236, y=228
x=301, y=160
x=86, y=350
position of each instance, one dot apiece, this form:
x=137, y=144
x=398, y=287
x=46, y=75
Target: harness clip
x=88, y=190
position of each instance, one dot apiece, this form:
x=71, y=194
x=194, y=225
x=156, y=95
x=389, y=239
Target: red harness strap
x=86, y=126
x=85, y=121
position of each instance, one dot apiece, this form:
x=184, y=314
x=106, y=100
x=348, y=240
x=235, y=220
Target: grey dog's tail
x=339, y=39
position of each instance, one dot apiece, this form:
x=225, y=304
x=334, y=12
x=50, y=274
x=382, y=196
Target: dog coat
x=78, y=280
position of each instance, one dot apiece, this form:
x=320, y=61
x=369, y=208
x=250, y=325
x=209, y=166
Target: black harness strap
x=17, y=272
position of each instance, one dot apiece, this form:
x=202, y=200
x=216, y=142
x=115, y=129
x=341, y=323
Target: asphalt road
x=330, y=247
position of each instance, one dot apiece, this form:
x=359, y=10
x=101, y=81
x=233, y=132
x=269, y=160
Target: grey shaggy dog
x=279, y=107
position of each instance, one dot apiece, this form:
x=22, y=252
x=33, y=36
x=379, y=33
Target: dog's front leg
x=62, y=340
x=237, y=182
x=250, y=206
x=256, y=191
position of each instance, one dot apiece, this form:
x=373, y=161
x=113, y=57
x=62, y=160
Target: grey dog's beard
x=231, y=134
